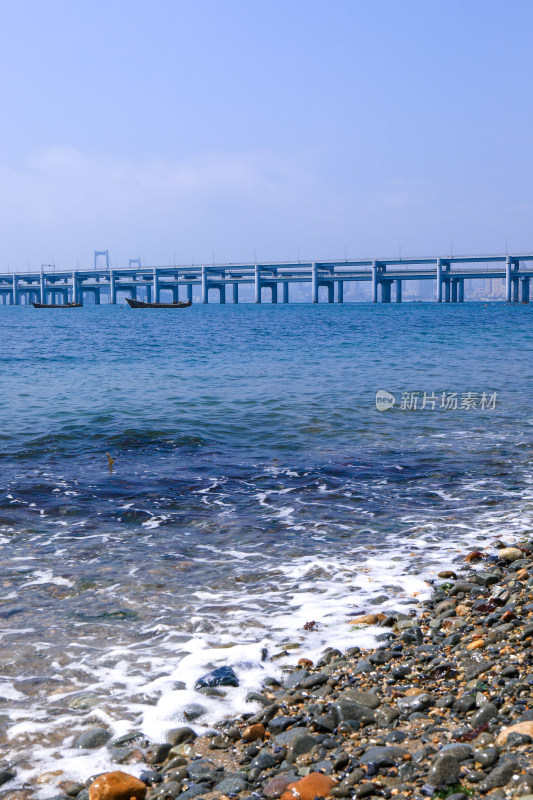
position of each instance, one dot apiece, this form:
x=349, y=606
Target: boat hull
x=57, y=305
x=141, y=304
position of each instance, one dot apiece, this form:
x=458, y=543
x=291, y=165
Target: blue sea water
x=255, y=488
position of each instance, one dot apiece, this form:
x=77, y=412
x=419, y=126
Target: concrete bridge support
x=439, y=280
x=112, y=288
x=447, y=293
x=15, y=291
x=461, y=290
x=525, y=290
x=205, y=292
x=511, y=282
x=375, y=268
x=314, y=283
x=398, y=291
x=189, y=292
x=454, y=290
x=235, y=287
x=386, y=291
x=285, y=292
x=340, y=291
x=42, y=288
x=257, y=283
x=156, y=287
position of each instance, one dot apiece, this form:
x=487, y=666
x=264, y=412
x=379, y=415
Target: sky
x=187, y=131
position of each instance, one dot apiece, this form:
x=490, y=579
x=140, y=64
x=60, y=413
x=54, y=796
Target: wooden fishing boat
x=141, y=304
x=57, y=305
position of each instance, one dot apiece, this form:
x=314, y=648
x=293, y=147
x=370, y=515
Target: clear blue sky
x=175, y=128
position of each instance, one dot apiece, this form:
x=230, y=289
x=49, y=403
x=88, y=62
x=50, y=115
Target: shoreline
x=422, y=714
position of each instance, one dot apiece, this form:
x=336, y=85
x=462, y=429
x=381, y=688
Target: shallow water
x=255, y=488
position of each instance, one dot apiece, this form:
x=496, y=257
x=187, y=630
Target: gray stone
x=444, y=770
x=160, y=753
x=300, y=745
x=92, y=739
x=196, y=790
x=198, y=769
x=263, y=761
x=5, y=776
x=232, y=784
x=487, y=757
x=383, y=756
x=417, y=702
x=368, y=699
x=500, y=775
x=316, y=679
x=280, y=724
x=474, y=668
x=294, y=680
x=180, y=735
x=193, y=711
x=485, y=714
x=412, y=636
x=460, y=751
x=347, y=710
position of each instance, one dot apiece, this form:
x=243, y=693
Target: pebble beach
x=441, y=707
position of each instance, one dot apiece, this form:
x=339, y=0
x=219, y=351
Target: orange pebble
x=117, y=786
x=305, y=662
x=477, y=644
x=253, y=732
x=316, y=784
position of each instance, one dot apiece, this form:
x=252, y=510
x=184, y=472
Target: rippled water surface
x=255, y=488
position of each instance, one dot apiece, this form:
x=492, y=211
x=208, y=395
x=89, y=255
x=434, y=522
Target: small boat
x=57, y=305
x=141, y=304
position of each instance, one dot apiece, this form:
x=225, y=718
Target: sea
x=215, y=486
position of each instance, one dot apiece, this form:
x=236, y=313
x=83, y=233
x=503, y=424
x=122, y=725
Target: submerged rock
x=222, y=676
x=92, y=739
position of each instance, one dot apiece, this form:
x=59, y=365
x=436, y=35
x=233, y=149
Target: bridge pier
x=398, y=291
x=374, y=281
x=314, y=283
x=525, y=290
x=386, y=291
x=257, y=283
x=205, y=293
x=235, y=293
x=189, y=292
x=446, y=291
x=156, y=286
x=15, y=291
x=461, y=290
x=511, y=285
x=439, y=280
x=285, y=292
x=340, y=291
x=454, y=290
x=112, y=288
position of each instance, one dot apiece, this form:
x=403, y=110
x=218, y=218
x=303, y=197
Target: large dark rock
x=295, y=679
x=222, y=676
x=500, y=775
x=346, y=710
x=444, y=770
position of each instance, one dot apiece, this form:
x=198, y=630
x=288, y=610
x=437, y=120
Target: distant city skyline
x=193, y=130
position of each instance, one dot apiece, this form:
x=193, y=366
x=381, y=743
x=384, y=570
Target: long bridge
x=156, y=284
